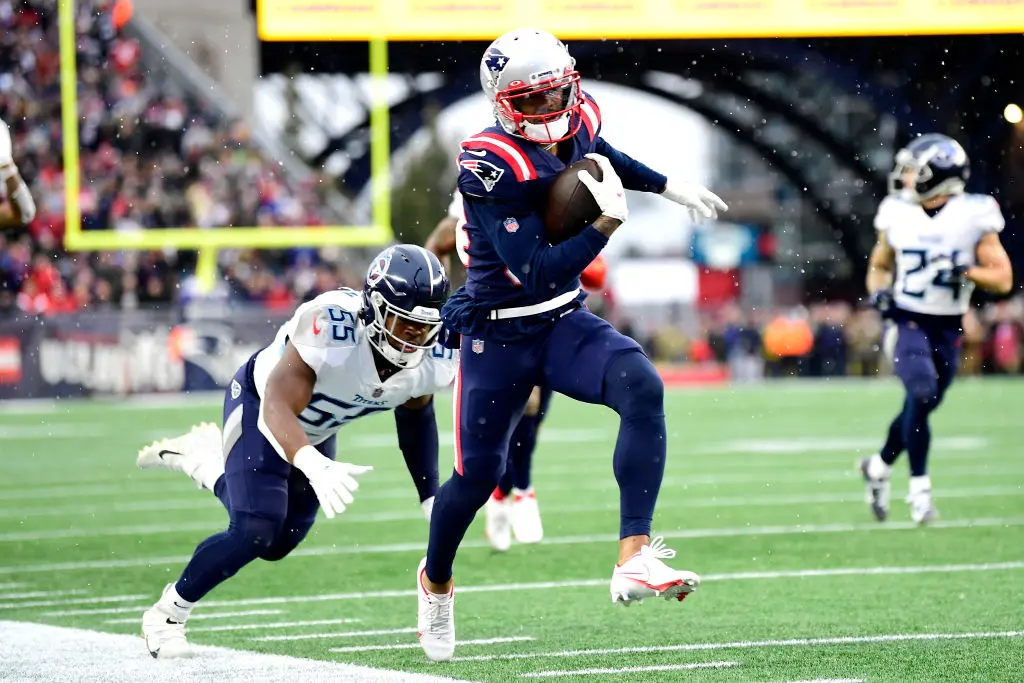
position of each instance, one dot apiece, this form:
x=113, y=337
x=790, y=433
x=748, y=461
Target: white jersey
x=926, y=247
x=332, y=341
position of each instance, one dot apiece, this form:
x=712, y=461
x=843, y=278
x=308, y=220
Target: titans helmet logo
x=379, y=268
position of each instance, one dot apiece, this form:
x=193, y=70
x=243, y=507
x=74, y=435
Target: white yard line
x=420, y=546
x=669, y=503
x=37, y=652
x=343, y=634
x=581, y=583
x=275, y=624
x=416, y=646
x=629, y=669
x=71, y=601
x=41, y=594
x=141, y=530
x=748, y=644
x=146, y=491
x=201, y=616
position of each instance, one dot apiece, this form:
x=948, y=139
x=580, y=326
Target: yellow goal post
x=208, y=241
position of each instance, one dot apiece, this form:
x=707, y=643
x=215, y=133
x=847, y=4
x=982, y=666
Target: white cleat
x=199, y=454
x=645, y=576
x=878, y=491
x=498, y=529
x=165, y=633
x=526, y=525
x=435, y=623
x=922, y=509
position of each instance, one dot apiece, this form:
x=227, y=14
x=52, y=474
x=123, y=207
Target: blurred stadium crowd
x=152, y=158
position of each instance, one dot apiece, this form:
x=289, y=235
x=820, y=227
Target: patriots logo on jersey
x=485, y=171
x=495, y=61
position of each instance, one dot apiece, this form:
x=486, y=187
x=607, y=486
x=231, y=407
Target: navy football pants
x=926, y=361
x=581, y=356
x=270, y=504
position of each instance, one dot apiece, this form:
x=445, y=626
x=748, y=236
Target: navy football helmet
x=929, y=166
x=405, y=288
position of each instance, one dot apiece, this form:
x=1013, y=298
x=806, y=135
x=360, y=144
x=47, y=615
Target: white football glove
x=701, y=202
x=428, y=507
x=332, y=482
x=608, y=192
x=6, y=151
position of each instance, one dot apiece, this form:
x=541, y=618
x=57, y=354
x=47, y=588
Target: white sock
x=175, y=605
x=209, y=472
x=920, y=484
x=877, y=468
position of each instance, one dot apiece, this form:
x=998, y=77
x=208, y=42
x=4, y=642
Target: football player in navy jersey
x=522, y=323
x=512, y=510
x=935, y=243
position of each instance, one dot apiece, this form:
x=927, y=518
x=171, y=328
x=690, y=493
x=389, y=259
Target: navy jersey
x=504, y=180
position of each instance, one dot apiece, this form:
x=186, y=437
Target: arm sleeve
x=634, y=175
x=543, y=269
x=417, y=438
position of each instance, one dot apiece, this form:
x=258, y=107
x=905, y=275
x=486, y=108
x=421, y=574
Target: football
x=570, y=206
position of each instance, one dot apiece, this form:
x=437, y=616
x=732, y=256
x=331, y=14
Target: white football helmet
x=533, y=85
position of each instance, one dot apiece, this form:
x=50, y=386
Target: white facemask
x=551, y=130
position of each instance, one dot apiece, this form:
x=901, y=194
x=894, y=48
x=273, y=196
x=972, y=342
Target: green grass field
x=760, y=497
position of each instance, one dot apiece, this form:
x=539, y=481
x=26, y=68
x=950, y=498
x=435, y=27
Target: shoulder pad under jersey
x=493, y=164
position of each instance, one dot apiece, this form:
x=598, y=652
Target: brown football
x=570, y=205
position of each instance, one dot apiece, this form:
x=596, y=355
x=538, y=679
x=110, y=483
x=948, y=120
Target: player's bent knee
x=286, y=541
x=633, y=385
x=924, y=391
x=255, y=534
x=484, y=470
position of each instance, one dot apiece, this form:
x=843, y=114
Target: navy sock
x=633, y=389
x=520, y=451
x=220, y=556
x=455, y=506
x=917, y=434
x=894, y=443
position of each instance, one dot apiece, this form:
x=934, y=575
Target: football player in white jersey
x=343, y=355
x=935, y=244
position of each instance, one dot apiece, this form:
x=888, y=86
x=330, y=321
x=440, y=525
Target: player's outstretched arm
x=636, y=176
x=417, y=438
x=289, y=390
x=21, y=208
x=993, y=272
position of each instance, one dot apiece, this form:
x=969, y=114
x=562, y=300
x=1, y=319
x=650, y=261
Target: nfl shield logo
x=511, y=224
x=478, y=346
x=378, y=392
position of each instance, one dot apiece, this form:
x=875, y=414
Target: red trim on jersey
x=591, y=115
x=508, y=150
x=458, y=418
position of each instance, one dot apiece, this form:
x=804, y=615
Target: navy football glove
x=882, y=301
